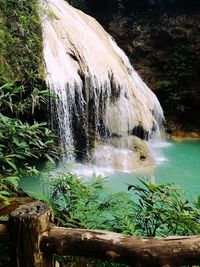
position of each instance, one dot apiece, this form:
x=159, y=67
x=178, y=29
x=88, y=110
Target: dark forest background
x=104, y=8
x=162, y=40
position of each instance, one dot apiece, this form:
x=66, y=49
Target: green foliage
x=20, y=41
x=21, y=142
x=161, y=210
x=19, y=100
x=178, y=69
x=8, y=184
x=21, y=61
x=87, y=205
x=80, y=261
x=158, y=211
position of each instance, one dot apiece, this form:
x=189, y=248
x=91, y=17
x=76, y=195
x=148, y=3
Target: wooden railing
x=34, y=240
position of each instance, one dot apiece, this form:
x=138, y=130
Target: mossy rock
x=20, y=41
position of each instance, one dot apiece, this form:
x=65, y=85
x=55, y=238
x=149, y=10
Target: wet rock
x=179, y=134
x=130, y=154
x=194, y=135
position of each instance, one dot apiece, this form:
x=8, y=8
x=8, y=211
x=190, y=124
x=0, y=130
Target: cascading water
x=101, y=100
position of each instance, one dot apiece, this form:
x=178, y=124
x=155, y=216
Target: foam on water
x=156, y=148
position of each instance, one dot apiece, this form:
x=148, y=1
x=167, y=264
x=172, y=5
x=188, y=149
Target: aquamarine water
x=177, y=162
x=182, y=166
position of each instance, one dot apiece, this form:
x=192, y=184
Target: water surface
x=177, y=162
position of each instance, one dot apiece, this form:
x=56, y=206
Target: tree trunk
x=135, y=251
x=27, y=225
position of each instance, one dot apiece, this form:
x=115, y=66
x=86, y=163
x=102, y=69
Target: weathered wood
x=135, y=251
x=4, y=232
x=15, y=202
x=27, y=225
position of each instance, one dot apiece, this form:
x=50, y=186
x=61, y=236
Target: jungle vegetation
x=25, y=137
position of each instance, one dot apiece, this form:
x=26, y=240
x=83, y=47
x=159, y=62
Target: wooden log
x=135, y=251
x=4, y=232
x=15, y=202
x=27, y=225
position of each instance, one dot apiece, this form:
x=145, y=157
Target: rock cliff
x=164, y=48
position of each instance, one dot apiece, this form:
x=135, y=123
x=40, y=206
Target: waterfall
x=100, y=99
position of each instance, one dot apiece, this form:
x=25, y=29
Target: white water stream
x=101, y=100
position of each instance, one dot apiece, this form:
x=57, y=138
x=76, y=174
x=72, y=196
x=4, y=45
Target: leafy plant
x=82, y=204
x=7, y=184
x=18, y=100
x=21, y=143
x=161, y=210
x=22, y=139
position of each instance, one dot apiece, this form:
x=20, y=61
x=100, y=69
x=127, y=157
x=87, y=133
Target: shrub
x=162, y=210
x=159, y=210
x=21, y=142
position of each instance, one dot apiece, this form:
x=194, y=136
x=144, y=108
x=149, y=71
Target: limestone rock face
x=98, y=93
x=130, y=154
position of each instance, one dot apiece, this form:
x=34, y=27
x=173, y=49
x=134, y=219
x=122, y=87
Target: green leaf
x=5, y=193
x=50, y=158
x=4, y=218
x=130, y=187
x=198, y=202
x=11, y=164
x=6, y=86
x=14, y=180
